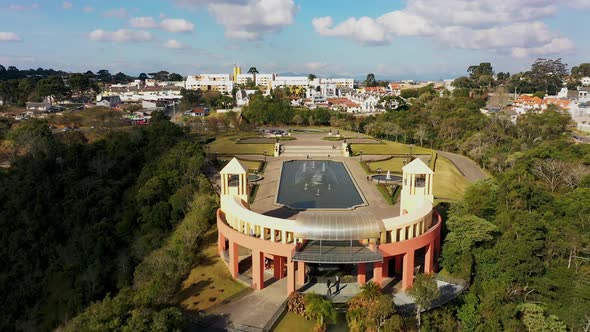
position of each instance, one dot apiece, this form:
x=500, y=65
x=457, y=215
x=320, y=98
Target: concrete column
x=398, y=263
x=408, y=272
x=429, y=259
x=220, y=243
x=362, y=273
x=300, y=273
x=378, y=273
x=290, y=276
x=272, y=235
x=284, y=236
x=257, y=269
x=233, y=259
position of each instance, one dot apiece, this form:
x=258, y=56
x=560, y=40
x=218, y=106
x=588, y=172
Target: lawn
x=449, y=183
x=292, y=322
x=395, y=164
x=209, y=283
x=386, y=147
x=227, y=145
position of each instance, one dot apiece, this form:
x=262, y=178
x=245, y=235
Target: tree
x=424, y=291
x=311, y=77
x=319, y=309
x=162, y=75
x=370, y=81
x=253, y=71
x=121, y=78
x=421, y=133
x=52, y=87
x=104, y=76
x=175, y=77
x=583, y=70
x=547, y=75
x=535, y=319
x=79, y=83
x=143, y=76
x=463, y=82
x=484, y=68
x=298, y=119
x=550, y=171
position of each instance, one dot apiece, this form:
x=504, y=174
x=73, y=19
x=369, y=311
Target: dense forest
x=78, y=218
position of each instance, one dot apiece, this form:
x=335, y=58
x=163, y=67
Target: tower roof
x=234, y=167
x=417, y=166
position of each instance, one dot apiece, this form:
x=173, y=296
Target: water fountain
x=323, y=167
x=329, y=186
x=313, y=164
x=317, y=193
x=305, y=187
x=304, y=164
x=388, y=177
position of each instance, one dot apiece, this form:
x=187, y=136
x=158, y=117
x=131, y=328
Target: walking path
x=469, y=168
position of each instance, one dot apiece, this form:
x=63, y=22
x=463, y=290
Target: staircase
x=302, y=151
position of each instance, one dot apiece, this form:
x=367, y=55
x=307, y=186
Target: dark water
x=317, y=184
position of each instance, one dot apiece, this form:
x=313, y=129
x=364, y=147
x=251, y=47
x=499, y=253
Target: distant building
x=109, y=101
x=43, y=106
x=198, y=112
x=585, y=81
x=210, y=82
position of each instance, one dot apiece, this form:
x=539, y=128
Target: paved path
x=253, y=310
x=469, y=168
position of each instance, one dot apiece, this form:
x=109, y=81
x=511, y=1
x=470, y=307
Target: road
x=469, y=168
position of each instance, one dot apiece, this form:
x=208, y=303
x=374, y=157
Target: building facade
x=391, y=246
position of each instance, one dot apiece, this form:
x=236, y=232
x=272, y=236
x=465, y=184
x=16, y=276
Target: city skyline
x=415, y=39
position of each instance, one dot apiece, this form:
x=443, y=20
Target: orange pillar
x=408, y=270
x=398, y=263
x=290, y=276
x=429, y=259
x=257, y=269
x=220, y=243
x=300, y=273
x=233, y=259
x=378, y=273
x=362, y=273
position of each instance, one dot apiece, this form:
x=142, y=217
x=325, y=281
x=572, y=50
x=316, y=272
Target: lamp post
x=379, y=170
x=411, y=150
x=361, y=155
x=391, y=186
x=264, y=155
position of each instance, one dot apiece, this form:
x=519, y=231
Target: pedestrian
x=337, y=283
x=329, y=289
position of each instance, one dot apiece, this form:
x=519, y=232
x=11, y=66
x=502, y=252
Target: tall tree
x=104, y=76
x=253, y=71
x=370, y=81
x=424, y=291
x=175, y=77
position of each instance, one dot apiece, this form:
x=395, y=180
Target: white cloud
x=9, y=36
x=507, y=26
x=116, y=13
x=248, y=19
x=177, y=25
x=88, y=9
x=67, y=5
x=121, y=35
x=172, y=43
x=19, y=7
x=143, y=22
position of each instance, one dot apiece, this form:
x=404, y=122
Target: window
x=234, y=180
x=420, y=180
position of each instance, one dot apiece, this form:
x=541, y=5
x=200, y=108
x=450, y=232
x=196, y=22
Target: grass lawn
x=228, y=145
x=449, y=183
x=252, y=165
x=209, y=283
x=292, y=322
x=394, y=165
x=387, y=147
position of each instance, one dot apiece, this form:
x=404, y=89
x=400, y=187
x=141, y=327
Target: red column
x=257, y=269
x=278, y=267
x=408, y=272
x=362, y=273
x=398, y=263
x=290, y=276
x=378, y=273
x=429, y=259
x=233, y=259
x=300, y=273
x=385, y=267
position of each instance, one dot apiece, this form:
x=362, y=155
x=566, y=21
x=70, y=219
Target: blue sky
x=411, y=39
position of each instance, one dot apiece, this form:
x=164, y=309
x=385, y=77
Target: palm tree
x=370, y=290
x=253, y=71
x=319, y=309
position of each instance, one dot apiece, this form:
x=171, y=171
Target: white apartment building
x=586, y=81
x=339, y=82
x=210, y=82
x=290, y=81
x=261, y=79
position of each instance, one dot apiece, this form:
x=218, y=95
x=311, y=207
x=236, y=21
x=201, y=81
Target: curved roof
x=336, y=226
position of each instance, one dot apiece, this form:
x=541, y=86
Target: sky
x=394, y=39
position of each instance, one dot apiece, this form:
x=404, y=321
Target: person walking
x=337, y=283
x=329, y=292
